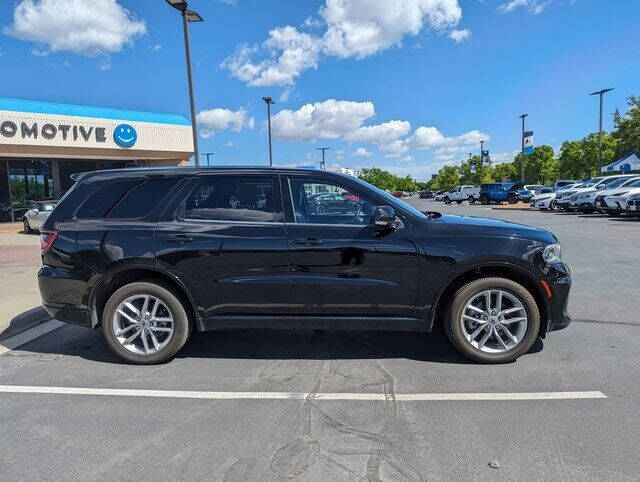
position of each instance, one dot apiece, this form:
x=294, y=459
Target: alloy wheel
x=494, y=321
x=143, y=324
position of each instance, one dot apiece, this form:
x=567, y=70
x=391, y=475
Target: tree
x=540, y=166
x=627, y=128
x=503, y=172
x=448, y=177
x=379, y=178
x=570, y=161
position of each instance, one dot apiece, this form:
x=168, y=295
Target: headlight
x=552, y=253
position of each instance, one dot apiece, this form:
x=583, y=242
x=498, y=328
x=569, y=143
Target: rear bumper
x=69, y=314
x=62, y=296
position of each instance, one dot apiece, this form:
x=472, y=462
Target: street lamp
x=523, y=116
x=323, y=149
x=207, y=154
x=187, y=17
x=601, y=94
x=269, y=101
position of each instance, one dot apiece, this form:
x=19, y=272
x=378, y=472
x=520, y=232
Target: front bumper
x=564, y=204
x=560, y=280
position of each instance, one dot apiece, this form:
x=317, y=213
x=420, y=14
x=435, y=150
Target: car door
x=226, y=239
x=340, y=264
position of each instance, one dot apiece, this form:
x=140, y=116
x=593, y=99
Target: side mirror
x=384, y=217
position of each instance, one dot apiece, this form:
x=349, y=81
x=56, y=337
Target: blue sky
x=407, y=85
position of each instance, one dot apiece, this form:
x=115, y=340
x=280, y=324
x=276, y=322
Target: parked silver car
x=36, y=216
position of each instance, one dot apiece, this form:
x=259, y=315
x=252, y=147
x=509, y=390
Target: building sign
x=52, y=132
x=485, y=156
x=527, y=143
x=125, y=135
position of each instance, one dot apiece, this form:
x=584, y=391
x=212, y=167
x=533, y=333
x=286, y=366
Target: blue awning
x=16, y=105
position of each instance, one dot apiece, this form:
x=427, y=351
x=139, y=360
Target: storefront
x=42, y=144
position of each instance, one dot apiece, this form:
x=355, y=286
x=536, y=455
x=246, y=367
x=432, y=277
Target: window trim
x=318, y=180
x=179, y=212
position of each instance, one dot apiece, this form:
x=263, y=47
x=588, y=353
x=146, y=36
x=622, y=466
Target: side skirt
x=313, y=323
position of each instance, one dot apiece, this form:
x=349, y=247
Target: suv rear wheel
x=472, y=200
x=447, y=200
x=511, y=199
x=145, y=322
x=492, y=320
x=484, y=199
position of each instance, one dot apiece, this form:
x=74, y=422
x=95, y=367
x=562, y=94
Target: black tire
x=26, y=226
x=321, y=209
x=181, y=328
x=511, y=199
x=459, y=202
x=472, y=200
x=447, y=200
x=455, y=308
x=552, y=205
x=484, y=199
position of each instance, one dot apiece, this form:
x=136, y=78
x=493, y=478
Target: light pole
x=269, y=101
x=601, y=94
x=523, y=116
x=187, y=17
x=208, y=154
x=323, y=149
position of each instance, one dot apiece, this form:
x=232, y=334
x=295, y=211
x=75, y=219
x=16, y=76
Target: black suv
x=151, y=254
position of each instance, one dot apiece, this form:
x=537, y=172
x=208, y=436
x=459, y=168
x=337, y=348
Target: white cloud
x=362, y=152
x=1, y=52
x=427, y=137
x=535, y=7
x=354, y=28
x=340, y=154
x=288, y=51
x=382, y=133
x=218, y=119
x=86, y=27
x=359, y=28
x=460, y=35
x=156, y=48
x=331, y=119
x=286, y=93
x=229, y=144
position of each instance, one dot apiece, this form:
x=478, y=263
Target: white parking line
x=401, y=397
x=26, y=336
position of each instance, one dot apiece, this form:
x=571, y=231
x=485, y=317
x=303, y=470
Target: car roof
x=156, y=172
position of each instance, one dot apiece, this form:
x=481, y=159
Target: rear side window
x=219, y=198
x=100, y=202
x=139, y=201
x=125, y=200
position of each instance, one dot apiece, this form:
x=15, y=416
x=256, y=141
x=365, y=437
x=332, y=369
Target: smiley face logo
x=125, y=135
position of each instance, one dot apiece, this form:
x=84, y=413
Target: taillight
x=47, y=238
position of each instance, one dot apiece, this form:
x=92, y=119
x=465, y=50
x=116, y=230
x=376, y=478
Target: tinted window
x=100, y=203
x=231, y=199
x=320, y=202
x=140, y=201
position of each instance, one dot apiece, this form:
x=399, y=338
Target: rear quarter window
x=126, y=199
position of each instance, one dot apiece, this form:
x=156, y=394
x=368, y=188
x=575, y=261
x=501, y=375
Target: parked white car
x=544, y=200
x=564, y=184
x=567, y=198
x=585, y=198
x=534, y=188
x=586, y=201
x=462, y=193
x=35, y=217
x=440, y=196
x=620, y=203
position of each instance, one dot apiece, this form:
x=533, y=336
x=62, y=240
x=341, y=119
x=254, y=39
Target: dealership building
x=42, y=144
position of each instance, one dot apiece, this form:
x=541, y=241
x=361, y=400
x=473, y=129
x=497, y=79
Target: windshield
x=622, y=181
x=393, y=201
x=592, y=182
x=635, y=183
x=616, y=181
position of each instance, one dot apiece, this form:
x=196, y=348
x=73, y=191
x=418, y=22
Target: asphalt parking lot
x=261, y=405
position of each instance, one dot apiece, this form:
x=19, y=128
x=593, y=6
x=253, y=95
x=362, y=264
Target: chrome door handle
x=179, y=238
x=308, y=241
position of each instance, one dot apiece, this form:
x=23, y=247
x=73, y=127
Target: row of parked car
x=614, y=195
x=494, y=192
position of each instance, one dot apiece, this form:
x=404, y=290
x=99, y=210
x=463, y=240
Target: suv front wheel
x=492, y=320
x=145, y=322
